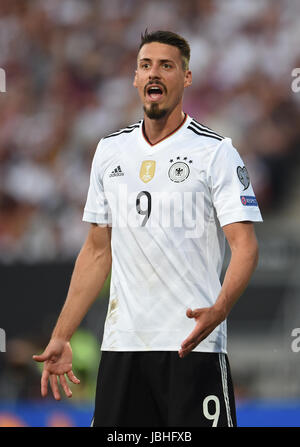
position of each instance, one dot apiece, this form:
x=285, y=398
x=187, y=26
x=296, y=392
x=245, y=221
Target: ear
x=187, y=78
x=135, y=79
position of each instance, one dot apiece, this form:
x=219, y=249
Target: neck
x=157, y=130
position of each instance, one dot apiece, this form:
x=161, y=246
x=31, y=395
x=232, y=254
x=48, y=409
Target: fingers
x=65, y=386
x=188, y=345
x=195, y=337
x=40, y=358
x=54, y=386
x=57, y=359
x=200, y=332
x=184, y=351
x=190, y=313
x=46, y=355
x=194, y=313
x=72, y=377
x=44, y=383
x=193, y=341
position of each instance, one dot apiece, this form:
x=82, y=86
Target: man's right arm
x=90, y=272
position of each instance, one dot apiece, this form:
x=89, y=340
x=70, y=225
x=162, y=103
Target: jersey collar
x=167, y=138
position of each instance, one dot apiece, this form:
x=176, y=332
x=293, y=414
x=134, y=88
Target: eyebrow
x=147, y=59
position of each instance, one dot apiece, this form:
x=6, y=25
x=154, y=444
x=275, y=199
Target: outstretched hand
x=57, y=359
x=207, y=319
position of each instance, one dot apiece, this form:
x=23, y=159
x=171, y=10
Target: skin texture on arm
x=90, y=272
x=244, y=258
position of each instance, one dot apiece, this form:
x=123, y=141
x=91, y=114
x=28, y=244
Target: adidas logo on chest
x=117, y=172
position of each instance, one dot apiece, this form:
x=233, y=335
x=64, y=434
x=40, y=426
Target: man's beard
x=154, y=113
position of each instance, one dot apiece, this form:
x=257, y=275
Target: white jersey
x=167, y=204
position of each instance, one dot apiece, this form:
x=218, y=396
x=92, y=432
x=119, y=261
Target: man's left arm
x=244, y=258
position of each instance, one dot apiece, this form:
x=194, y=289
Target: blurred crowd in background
x=69, y=69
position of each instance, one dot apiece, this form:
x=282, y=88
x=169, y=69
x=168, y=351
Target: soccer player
x=164, y=194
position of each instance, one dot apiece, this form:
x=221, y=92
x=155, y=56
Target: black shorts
x=159, y=389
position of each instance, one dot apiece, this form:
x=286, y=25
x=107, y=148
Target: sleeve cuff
x=240, y=216
x=98, y=218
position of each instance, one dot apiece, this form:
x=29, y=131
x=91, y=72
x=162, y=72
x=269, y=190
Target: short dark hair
x=169, y=38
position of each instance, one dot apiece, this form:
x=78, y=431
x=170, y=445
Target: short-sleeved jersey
x=167, y=204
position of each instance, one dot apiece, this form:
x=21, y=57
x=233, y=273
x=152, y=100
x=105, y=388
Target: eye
x=145, y=65
x=166, y=65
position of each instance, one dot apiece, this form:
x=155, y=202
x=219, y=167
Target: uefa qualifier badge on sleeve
x=249, y=201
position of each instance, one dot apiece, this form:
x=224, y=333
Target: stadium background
x=69, y=67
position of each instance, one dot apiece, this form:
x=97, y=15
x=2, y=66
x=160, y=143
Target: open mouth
x=154, y=92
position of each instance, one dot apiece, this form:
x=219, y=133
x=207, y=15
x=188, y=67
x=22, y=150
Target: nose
x=154, y=72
